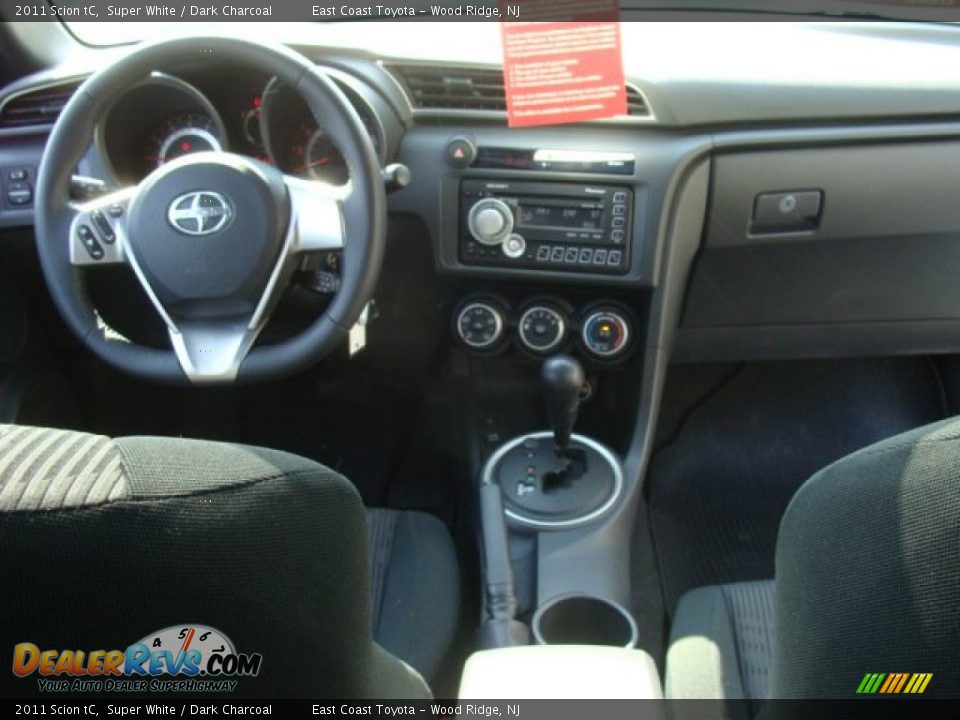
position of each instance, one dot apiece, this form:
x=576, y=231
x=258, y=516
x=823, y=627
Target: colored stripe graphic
x=894, y=683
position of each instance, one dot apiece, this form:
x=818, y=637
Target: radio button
x=616, y=236
x=543, y=253
x=572, y=255
x=614, y=257
x=599, y=257
x=586, y=256
x=620, y=197
x=617, y=222
x=619, y=209
x=556, y=255
x=514, y=246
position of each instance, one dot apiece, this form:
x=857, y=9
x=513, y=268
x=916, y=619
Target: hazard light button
x=461, y=151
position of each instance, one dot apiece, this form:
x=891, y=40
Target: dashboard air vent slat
x=443, y=88
x=636, y=103
x=435, y=87
x=36, y=107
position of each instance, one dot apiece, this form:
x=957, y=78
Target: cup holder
x=583, y=620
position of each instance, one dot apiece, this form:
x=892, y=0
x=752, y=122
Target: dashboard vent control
x=36, y=107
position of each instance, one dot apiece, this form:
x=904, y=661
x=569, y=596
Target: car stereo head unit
x=546, y=226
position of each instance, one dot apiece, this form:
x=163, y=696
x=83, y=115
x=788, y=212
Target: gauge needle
x=310, y=165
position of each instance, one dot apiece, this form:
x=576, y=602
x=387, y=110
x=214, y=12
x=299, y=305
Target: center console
x=563, y=256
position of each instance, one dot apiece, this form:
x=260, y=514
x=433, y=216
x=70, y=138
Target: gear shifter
x=561, y=379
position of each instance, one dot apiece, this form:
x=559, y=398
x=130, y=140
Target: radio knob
x=490, y=221
x=514, y=246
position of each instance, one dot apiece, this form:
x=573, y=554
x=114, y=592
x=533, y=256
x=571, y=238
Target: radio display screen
x=562, y=216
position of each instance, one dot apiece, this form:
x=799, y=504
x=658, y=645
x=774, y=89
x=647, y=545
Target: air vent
x=36, y=107
x=432, y=87
x=636, y=103
x=444, y=88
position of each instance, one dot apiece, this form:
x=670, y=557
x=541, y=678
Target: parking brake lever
x=499, y=627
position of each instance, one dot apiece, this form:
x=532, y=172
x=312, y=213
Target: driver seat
x=106, y=542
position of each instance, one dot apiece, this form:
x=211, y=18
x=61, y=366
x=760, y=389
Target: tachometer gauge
x=182, y=134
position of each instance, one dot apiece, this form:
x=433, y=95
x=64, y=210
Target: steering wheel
x=213, y=237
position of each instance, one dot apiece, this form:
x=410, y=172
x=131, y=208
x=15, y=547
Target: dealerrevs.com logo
x=180, y=658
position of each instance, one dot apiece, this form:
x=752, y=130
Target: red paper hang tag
x=563, y=72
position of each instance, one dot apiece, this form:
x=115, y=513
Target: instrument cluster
x=167, y=117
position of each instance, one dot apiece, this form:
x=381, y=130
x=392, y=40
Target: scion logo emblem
x=200, y=213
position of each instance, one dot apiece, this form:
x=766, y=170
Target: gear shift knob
x=561, y=379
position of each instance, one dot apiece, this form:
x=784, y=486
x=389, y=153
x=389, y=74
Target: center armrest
x=561, y=672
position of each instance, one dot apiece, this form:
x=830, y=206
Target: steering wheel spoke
x=212, y=352
x=316, y=220
x=98, y=231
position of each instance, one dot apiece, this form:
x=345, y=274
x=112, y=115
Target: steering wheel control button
x=90, y=243
x=490, y=221
x=19, y=193
x=103, y=227
x=461, y=152
x=514, y=246
x=605, y=334
x=17, y=174
x=542, y=328
x=480, y=325
x=115, y=210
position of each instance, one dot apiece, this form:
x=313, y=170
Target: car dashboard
x=818, y=205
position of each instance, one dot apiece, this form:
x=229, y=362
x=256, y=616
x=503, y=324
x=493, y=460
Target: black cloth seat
x=867, y=582
x=106, y=541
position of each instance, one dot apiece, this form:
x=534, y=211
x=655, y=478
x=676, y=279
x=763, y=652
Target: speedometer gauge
x=182, y=134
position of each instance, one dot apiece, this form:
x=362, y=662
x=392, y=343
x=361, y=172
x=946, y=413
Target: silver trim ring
x=497, y=205
x=498, y=330
x=618, y=319
x=561, y=333
x=603, y=451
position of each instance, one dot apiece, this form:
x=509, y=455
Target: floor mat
x=718, y=487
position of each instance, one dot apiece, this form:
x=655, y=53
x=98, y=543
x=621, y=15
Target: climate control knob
x=480, y=325
x=490, y=221
x=542, y=329
x=605, y=333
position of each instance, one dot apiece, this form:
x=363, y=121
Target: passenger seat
x=867, y=585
